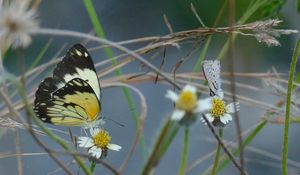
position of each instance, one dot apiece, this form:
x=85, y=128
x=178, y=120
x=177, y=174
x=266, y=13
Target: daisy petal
x=226, y=118
x=209, y=117
x=177, y=115
x=172, y=95
x=94, y=131
x=230, y=107
x=204, y=105
x=190, y=88
x=95, y=152
x=114, y=147
x=85, y=142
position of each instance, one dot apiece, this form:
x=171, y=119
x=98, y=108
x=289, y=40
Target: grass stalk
x=40, y=55
x=155, y=156
x=217, y=155
x=169, y=140
x=287, y=108
x=184, y=151
x=92, y=167
x=100, y=33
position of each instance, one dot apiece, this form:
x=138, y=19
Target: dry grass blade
x=104, y=41
x=18, y=151
x=9, y=155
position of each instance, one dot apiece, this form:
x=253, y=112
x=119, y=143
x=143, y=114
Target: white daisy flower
x=187, y=103
x=98, y=143
x=218, y=113
x=16, y=23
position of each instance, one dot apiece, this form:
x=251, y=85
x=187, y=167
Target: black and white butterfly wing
x=72, y=96
x=212, y=73
x=77, y=63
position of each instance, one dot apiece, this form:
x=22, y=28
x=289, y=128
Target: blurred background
x=131, y=19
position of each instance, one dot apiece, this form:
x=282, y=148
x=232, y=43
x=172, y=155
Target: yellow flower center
x=218, y=107
x=187, y=101
x=102, y=139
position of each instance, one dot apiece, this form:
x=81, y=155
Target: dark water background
x=124, y=20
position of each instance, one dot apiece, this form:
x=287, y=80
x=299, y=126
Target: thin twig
x=18, y=151
x=223, y=145
x=104, y=41
x=168, y=24
x=142, y=118
x=197, y=16
x=231, y=17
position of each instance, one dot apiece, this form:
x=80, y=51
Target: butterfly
x=211, y=70
x=71, y=97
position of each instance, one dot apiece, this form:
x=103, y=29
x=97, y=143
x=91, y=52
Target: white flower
x=98, y=143
x=16, y=23
x=187, y=103
x=218, y=113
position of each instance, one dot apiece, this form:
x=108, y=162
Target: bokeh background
x=130, y=19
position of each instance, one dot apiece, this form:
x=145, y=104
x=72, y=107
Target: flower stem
x=217, y=156
x=93, y=165
x=226, y=150
x=169, y=140
x=185, y=151
x=155, y=156
x=287, y=108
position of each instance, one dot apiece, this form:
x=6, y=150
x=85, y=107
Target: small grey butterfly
x=212, y=70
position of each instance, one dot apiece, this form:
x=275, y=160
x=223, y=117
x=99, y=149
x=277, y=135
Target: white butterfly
x=212, y=70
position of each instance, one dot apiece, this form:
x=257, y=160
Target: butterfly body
x=72, y=96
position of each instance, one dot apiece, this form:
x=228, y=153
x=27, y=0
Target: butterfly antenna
x=120, y=124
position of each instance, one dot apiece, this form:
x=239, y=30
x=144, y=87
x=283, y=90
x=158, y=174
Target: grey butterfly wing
x=212, y=73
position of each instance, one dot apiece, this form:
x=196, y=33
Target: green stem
x=100, y=32
x=41, y=54
x=154, y=157
x=202, y=55
x=168, y=141
x=184, y=151
x=92, y=168
x=217, y=156
x=250, y=137
x=287, y=108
